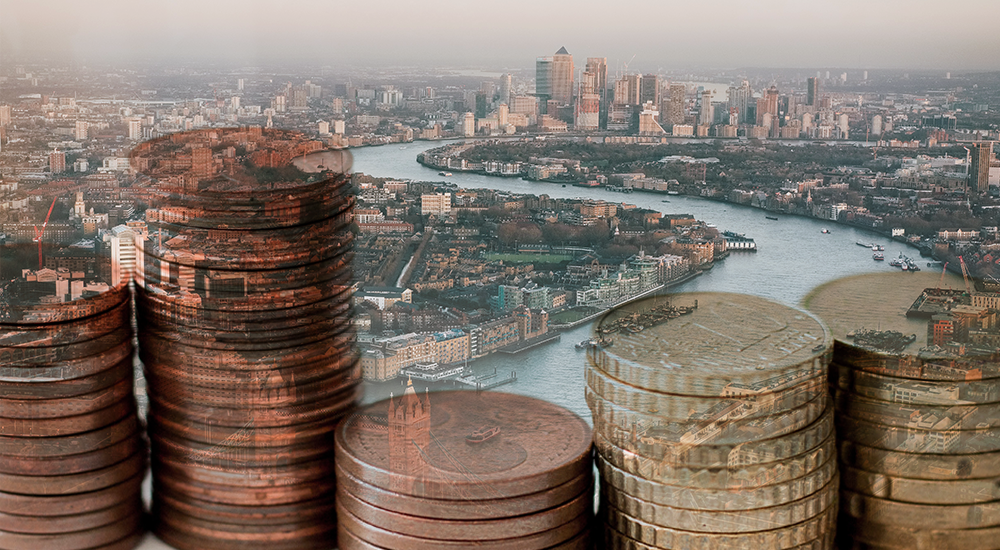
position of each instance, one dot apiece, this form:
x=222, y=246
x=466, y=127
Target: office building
x=705, y=114
x=979, y=167
x=468, y=124
x=812, y=91
x=675, y=113
x=649, y=89
x=543, y=81
x=598, y=66
x=562, y=77
x=739, y=99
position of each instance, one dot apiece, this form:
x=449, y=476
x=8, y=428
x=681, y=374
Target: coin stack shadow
x=464, y=469
x=713, y=425
x=243, y=308
x=919, y=448
x=72, y=454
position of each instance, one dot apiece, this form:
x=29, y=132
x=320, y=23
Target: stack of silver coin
x=713, y=425
x=72, y=455
x=243, y=309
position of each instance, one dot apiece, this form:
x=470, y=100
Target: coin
x=466, y=445
x=57, y=388
x=921, y=491
x=738, y=521
x=17, y=448
x=115, y=447
x=926, y=366
x=462, y=509
x=939, y=438
x=927, y=537
x=240, y=452
x=383, y=538
x=26, y=312
x=320, y=470
x=467, y=529
x=916, y=465
x=81, y=482
x=214, y=434
x=68, y=425
x=717, y=499
x=744, y=469
x=916, y=392
x=39, y=409
x=221, y=535
x=902, y=514
x=62, y=334
x=79, y=540
x=281, y=493
x=613, y=540
x=725, y=339
x=24, y=356
x=67, y=370
x=906, y=414
x=680, y=408
x=783, y=538
x=714, y=430
x=67, y=524
x=270, y=514
x=183, y=538
x=64, y=505
x=651, y=444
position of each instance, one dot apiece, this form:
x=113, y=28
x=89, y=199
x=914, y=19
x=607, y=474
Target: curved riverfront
x=793, y=257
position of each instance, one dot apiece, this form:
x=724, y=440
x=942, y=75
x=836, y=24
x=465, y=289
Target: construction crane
x=965, y=275
x=38, y=234
x=943, y=271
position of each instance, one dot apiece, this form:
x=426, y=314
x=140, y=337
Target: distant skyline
x=663, y=35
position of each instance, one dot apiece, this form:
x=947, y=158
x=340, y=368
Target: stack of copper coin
x=245, y=334
x=712, y=424
x=918, y=423
x=72, y=455
x=464, y=469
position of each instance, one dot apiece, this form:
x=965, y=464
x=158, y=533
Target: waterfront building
x=981, y=154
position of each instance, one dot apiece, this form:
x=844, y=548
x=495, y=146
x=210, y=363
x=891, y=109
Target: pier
x=486, y=381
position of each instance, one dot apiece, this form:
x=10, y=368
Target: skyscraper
x=505, y=86
x=675, y=115
x=979, y=167
x=598, y=66
x=588, y=104
x=739, y=99
x=562, y=77
x=812, y=91
x=543, y=81
x=649, y=89
x=705, y=114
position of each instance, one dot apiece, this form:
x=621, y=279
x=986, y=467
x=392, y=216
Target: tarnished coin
x=655, y=443
x=682, y=408
x=67, y=370
x=238, y=454
x=41, y=525
x=23, y=356
x=711, y=344
x=941, y=437
x=464, y=445
x=718, y=429
x=115, y=447
x=714, y=521
x=392, y=540
x=262, y=436
x=877, y=385
x=917, y=516
x=96, y=537
x=745, y=468
x=24, y=305
x=16, y=448
x=93, y=480
x=717, y=499
x=280, y=493
x=64, y=505
x=13, y=336
x=916, y=465
x=43, y=409
x=921, y=491
x=928, y=537
x=463, y=509
x=68, y=425
x=57, y=388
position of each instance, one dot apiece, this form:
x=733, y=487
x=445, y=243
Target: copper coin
x=67, y=425
x=214, y=434
x=302, y=527
x=235, y=342
x=467, y=530
x=183, y=538
x=68, y=524
x=290, y=324
x=46, y=356
x=115, y=447
x=392, y=540
x=80, y=540
x=710, y=343
x=260, y=414
x=18, y=447
x=463, y=509
x=25, y=311
x=67, y=370
x=464, y=445
x=918, y=516
x=64, y=505
x=280, y=493
x=270, y=514
x=62, y=334
x=925, y=538
x=347, y=541
x=83, y=482
x=252, y=478
x=61, y=389
x=289, y=337
x=39, y=409
x=237, y=455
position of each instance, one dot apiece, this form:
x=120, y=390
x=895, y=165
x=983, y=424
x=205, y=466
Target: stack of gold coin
x=918, y=415
x=243, y=308
x=712, y=424
x=72, y=455
x=464, y=469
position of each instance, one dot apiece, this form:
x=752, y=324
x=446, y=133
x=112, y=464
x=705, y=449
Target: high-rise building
x=4, y=115
x=80, y=131
x=239, y=84
x=57, y=162
x=134, y=128
x=598, y=66
x=562, y=77
x=705, y=114
x=505, y=88
x=812, y=91
x=877, y=125
x=739, y=99
x=768, y=104
x=649, y=89
x=468, y=124
x=588, y=105
x=543, y=81
x=979, y=167
x=675, y=115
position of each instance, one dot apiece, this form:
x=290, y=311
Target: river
x=793, y=257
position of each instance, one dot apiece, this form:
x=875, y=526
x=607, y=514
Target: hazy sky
x=911, y=34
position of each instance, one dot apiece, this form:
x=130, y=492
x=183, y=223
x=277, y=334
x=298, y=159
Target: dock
x=486, y=381
x=529, y=344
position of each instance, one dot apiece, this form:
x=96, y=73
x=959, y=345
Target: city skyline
x=647, y=36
